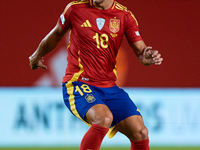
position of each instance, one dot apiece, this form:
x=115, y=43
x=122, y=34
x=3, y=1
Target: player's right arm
x=50, y=41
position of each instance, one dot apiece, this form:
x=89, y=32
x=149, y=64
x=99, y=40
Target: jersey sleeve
x=64, y=19
x=131, y=28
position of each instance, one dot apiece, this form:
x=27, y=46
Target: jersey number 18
x=101, y=40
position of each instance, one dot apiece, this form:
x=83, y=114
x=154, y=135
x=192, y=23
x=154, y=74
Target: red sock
x=140, y=145
x=93, y=137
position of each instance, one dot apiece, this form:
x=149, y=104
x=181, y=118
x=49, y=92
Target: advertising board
x=38, y=117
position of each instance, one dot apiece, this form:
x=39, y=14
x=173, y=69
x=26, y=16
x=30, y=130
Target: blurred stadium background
x=32, y=112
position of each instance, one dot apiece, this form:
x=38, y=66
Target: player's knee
x=100, y=115
x=141, y=134
x=144, y=133
x=105, y=120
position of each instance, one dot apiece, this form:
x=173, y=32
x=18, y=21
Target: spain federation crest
x=114, y=25
x=90, y=98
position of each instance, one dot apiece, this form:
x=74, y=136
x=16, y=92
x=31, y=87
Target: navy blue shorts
x=79, y=97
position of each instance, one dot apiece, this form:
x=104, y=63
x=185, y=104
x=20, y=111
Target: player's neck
x=103, y=4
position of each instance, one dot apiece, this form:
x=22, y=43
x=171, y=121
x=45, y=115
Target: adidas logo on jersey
x=86, y=24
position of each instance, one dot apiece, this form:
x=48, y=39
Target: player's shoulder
x=119, y=6
x=77, y=3
x=124, y=9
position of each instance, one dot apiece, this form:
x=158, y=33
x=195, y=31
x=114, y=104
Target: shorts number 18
x=84, y=89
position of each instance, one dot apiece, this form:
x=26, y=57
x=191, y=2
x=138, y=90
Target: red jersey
x=95, y=38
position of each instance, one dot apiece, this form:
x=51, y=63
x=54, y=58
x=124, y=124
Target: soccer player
x=89, y=89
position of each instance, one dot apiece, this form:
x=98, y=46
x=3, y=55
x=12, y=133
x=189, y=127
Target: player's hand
x=152, y=56
x=34, y=64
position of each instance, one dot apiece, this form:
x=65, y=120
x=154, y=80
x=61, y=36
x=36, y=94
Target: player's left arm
x=145, y=54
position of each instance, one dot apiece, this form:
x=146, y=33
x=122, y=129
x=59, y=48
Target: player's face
x=103, y=4
x=98, y=1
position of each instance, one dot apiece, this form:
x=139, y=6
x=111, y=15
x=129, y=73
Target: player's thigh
x=133, y=127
